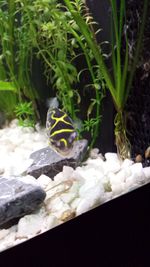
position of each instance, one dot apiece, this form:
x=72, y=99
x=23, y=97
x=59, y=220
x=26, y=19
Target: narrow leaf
x=7, y=86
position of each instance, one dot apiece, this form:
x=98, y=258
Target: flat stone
x=18, y=198
x=48, y=162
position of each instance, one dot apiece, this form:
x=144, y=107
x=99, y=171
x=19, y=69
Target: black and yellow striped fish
x=60, y=130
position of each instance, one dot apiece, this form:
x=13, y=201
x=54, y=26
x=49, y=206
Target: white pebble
x=72, y=193
x=43, y=181
x=56, y=189
x=65, y=174
x=131, y=183
x=30, y=225
x=146, y=171
x=137, y=170
x=27, y=129
x=118, y=189
x=111, y=156
x=94, y=153
x=90, y=173
x=87, y=204
x=14, y=123
x=75, y=203
x=50, y=222
x=92, y=187
x=112, y=178
x=95, y=163
x=57, y=207
x=111, y=166
x=28, y=179
x=126, y=163
x=9, y=239
x=121, y=176
x=3, y=233
x=55, y=204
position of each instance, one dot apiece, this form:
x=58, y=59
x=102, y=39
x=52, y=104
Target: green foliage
x=58, y=42
x=90, y=123
x=8, y=101
x=119, y=83
x=45, y=29
x=125, y=71
x=16, y=57
x=46, y=21
x=25, y=114
x=7, y=86
x=58, y=34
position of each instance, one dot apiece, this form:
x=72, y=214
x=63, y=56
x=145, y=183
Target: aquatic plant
x=119, y=82
x=58, y=42
x=8, y=90
x=46, y=22
x=16, y=57
x=25, y=114
x=46, y=30
x=8, y=97
x=92, y=123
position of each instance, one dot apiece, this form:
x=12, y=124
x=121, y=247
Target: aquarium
x=74, y=133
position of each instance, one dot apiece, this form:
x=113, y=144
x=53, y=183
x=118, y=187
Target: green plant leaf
x=8, y=86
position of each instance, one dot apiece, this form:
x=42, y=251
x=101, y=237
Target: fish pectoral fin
x=72, y=137
x=58, y=143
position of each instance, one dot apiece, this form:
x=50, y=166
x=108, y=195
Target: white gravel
x=72, y=192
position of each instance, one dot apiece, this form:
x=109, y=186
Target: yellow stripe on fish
x=60, y=130
x=57, y=120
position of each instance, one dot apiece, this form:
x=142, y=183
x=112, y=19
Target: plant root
x=122, y=142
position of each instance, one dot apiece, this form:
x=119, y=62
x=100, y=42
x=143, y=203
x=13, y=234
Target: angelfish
x=60, y=131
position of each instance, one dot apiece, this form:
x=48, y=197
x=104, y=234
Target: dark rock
x=48, y=162
x=18, y=198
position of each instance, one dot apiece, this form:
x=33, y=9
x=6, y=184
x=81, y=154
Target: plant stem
x=122, y=142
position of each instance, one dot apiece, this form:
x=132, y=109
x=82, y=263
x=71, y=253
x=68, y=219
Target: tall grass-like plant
x=120, y=81
x=91, y=124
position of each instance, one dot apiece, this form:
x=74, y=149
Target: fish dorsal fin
x=52, y=103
